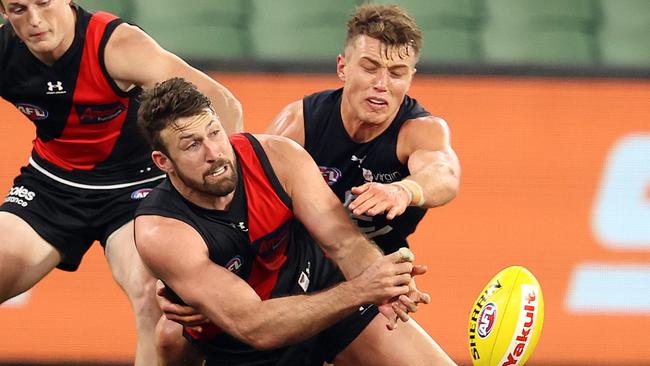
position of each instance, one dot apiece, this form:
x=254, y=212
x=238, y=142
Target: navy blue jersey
x=86, y=128
x=345, y=163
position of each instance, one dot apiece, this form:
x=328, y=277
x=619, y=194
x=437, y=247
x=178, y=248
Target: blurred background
x=549, y=107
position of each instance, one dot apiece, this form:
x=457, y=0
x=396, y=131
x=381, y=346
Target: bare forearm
x=438, y=176
x=277, y=322
x=354, y=253
x=228, y=109
x=439, y=184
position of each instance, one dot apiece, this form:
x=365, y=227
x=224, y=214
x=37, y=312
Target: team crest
x=331, y=175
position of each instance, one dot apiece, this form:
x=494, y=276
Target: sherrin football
x=506, y=319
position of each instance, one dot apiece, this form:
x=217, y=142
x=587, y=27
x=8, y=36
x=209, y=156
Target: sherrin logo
x=486, y=319
x=32, y=112
x=140, y=193
x=492, y=288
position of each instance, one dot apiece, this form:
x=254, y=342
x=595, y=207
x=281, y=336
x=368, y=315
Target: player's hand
x=399, y=308
x=376, y=198
x=387, y=278
x=179, y=313
x=417, y=296
x=386, y=281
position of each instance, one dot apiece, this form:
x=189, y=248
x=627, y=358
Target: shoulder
x=426, y=124
x=157, y=240
x=428, y=133
x=128, y=37
x=293, y=112
x=278, y=146
x=289, y=123
x=286, y=156
x=156, y=231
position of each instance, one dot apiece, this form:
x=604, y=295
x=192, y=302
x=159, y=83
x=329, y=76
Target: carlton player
x=381, y=152
x=76, y=76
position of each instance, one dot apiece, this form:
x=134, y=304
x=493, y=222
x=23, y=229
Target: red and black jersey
x=86, y=128
x=257, y=238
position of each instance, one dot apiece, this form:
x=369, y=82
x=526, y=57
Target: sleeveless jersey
x=85, y=125
x=256, y=238
x=345, y=163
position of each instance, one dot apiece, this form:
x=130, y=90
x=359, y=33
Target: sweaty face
x=201, y=156
x=45, y=26
x=376, y=79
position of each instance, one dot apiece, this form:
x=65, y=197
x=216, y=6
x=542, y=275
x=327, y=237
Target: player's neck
x=359, y=129
x=200, y=198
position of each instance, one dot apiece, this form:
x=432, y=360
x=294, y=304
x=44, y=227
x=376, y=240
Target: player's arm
x=290, y=122
x=133, y=58
x=316, y=206
x=176, y=254
x=434, y=172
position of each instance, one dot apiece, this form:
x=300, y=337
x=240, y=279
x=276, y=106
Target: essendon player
x=229, y=233
x=76, y=76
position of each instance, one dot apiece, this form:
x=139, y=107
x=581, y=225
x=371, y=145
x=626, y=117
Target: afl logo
x=234, y=264
x=486, y=319
x=32, y=112
x=331, y=175
x=140, y=193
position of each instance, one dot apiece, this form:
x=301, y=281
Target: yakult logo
x=20, y=195
x=525, y=325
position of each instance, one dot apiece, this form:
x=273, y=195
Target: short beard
x=220, y=189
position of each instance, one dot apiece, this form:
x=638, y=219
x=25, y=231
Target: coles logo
x=140, y=193
x=486, y=320
x=32, y=112
x=234, y=264
x=331, y=175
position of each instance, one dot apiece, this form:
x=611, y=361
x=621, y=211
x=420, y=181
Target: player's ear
x=162, y=161
x=340, y=67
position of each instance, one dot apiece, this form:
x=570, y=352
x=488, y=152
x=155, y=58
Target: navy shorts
x=72, y=218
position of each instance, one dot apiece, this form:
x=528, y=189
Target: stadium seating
x=199, y=29
x=559, y=32
x=450, y=28
x=121, y=8
x=624, y=35
x=308, y=30
x=488, y=32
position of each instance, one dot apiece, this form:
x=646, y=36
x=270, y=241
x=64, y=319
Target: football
x=506, y=319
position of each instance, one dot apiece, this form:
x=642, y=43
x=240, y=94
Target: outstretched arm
x=316, y=206
x=133, y=58
x=434, y=172
x=231, y=304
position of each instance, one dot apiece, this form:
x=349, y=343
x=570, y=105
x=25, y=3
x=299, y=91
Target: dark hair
x=387, y=23
x=162, y=106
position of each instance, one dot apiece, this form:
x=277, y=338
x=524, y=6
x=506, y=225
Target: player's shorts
x=71, y=218
x=311, y=273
